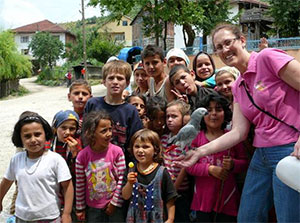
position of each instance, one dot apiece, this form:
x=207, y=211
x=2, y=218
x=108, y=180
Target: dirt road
x=44, y=100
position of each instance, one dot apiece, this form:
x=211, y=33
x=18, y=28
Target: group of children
x=119, y=152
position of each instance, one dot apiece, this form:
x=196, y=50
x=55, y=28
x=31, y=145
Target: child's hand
x=110, y=209
x=72, y=146
x=180, y=96
x=169, y=221
x=218, y=172
x=131, y=177
x=80, y=215
x=66, y=218
x=228, y=163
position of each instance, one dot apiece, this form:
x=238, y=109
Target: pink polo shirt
x=271, y=94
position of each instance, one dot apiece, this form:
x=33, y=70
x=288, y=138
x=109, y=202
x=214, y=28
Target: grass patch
x=93, y=82
x=20, y=92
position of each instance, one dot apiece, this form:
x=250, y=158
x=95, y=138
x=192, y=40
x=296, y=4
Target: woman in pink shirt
x=272, y=78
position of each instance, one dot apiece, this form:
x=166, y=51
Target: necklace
x=36, y=166
x=149, y=169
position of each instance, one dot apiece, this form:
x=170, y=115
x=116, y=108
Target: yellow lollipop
x=131, y=165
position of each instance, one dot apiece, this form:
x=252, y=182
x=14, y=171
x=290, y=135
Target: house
x=24, y=34
x=120, y=32
x=139, y=38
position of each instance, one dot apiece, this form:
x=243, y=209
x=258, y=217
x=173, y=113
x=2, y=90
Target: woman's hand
x=191, y=157
x=296, y=152
x=218, y=172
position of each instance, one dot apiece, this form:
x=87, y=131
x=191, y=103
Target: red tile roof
x=44, y=25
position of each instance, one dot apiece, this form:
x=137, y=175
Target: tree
x=13, y=65
x=202, y=14
x=286, y=14
x=46, y=48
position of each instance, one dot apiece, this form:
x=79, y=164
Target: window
x=124, y=23
x=24, y=39
x=120, y=37
x=24, y=51
x=56, y=36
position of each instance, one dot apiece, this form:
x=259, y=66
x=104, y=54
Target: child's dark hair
x=147, y=135
x=80, y=82
x=90, y=123
x=195, y=64
x=154, y=105
x=220, y=100
x=151, y=51
x=175, y=69
x=134, y=94
x=27, y=118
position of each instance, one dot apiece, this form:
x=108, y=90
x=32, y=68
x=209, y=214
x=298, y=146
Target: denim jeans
x=262, y=188
x=95, y=215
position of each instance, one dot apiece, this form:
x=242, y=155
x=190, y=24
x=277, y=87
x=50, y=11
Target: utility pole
x=84, y=40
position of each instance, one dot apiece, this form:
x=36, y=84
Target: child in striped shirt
x=99, y=172
x=177, y=115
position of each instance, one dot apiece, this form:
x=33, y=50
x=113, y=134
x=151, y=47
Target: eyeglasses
x=226, y=44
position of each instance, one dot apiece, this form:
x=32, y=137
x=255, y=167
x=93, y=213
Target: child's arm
x=182, y=174
x=68, y=192
x=80, y=189
x=4, y=187
x=171, y=210
x=127, y=189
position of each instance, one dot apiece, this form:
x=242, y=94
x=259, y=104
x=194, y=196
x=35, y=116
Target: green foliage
x=46, y=48
x=101, y=49
x=203, y=14
x=286, y=14
x=52, y=77
x=12, y=64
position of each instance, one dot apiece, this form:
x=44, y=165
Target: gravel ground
x=44, y=100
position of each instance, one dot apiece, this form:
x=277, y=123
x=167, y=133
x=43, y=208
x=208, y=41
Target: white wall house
x=24, y=35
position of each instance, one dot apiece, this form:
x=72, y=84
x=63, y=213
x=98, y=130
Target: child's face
x=79, y=96
x=139, y=104
x=224, y=82
x=103, y=134
x=143, y=152
x=154, y=66
x=66, y=129
x=173, y=61
x=141, y=78
x=115, y=84
x=204, y=68
x=174, y=119
x=33, y=138
x=185, y=82
x=157, y=124
x=215, y=117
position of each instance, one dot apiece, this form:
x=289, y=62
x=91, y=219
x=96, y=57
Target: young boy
x=116, y=77
x=79, y=93
x=154, y=64
x=176, y=56
x=183, y=81
x=177, y=115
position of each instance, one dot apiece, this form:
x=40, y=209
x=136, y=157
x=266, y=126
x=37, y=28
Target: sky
x=16, y=13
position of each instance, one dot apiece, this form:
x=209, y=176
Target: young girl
x=99, y=172
x=141, y=79
x=216, y=197
x=204, y=68
x=40, y=173
x=224, y=80
x=148, y=185
x=156, y=108
x=139, y=101
x=177, y=115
